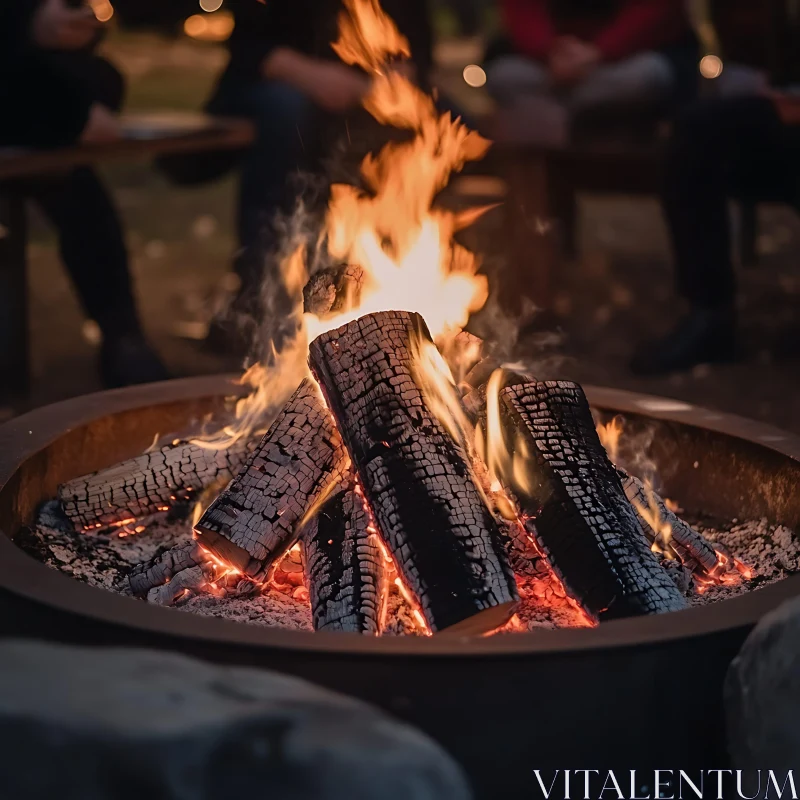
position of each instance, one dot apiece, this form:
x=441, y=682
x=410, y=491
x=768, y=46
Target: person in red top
x=574, y=57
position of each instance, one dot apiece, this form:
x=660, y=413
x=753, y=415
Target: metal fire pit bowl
x=639, y=693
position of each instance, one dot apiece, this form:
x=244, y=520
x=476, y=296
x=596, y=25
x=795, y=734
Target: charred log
x=576, y=507
x=188, y=580
x=165, y=566
x=253, y=522
x=692, y=550
x=150, y=483
x=344, y=565
x=415, y=477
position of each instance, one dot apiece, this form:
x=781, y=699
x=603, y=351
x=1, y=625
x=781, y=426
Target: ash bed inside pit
x=105, y=559
x=106, y=556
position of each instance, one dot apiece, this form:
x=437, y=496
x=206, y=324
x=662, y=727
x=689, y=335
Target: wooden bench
x=145, y=136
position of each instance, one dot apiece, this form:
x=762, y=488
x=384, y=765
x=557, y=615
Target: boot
x=703, y=336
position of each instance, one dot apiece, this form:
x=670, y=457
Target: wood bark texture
x=415, y=477
x=344, y=565
x=574, y=504
x=253, y=522
x=147, y=484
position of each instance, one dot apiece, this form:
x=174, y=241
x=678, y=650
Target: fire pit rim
x=22, y=437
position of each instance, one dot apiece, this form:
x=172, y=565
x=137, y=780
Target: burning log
x=415, y=477
x=693, y=551
x=575, y=504
x=344, y=565
x=150, y=483
x=253, y=522
x=165, y=566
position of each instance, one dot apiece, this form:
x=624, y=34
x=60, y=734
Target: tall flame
x=391, y=229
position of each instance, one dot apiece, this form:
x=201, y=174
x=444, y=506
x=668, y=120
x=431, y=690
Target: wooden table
x=144, y=137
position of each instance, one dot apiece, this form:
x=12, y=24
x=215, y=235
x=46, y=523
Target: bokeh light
x=711, y=67
x=195, y=26
x=209, y=27
x=211, y=5
x=474, y=76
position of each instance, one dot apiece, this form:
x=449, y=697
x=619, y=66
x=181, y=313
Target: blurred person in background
x=565, y=61
x=284, y=76
x=721, y=148
x=55, y=92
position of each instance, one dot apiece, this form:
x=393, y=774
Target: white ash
x=772, y=552
x=105, y=558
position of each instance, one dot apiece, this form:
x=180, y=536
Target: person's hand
x=571, y=60
x=337, y=87
x=56, y=26
x=102, y=126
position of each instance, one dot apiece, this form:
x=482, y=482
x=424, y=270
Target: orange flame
x=405, y=246
x=367, y=37
x=391, y=230
x=610, y=434
x=508, y=463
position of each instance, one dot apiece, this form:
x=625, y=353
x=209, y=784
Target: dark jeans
x=722, y=149
x=90, y=236
x=91, y=245
x=289, y=136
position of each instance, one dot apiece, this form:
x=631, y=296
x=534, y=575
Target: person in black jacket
x=721, y=148
x=284, y=75
x=55, y=92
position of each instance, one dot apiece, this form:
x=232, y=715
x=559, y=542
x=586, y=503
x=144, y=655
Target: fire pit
x=382, y=459
x=624, y=694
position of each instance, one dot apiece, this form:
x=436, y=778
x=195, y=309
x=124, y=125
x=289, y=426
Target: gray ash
x=772, y=552
x=104, y=559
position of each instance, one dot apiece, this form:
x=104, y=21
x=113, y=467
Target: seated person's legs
x=642, y=81
x=527, y=110
x=720, y=149
x=91, y=240
x=287, y=142
x=510, y=76
x=93, y=251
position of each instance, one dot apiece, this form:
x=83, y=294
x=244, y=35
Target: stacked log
x=344, y=565
x=575, y=506
x=415, y=477
x=693, y=551
x=254, y=521
x=148, y=484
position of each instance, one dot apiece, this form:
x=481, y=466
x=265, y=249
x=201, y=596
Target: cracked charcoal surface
x=298, y=457
x=583, y=521
x=691, y=548
x=416, y=479
x=186, y=580
x=162, y=568
x=344, y=565
x=148, y=483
